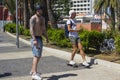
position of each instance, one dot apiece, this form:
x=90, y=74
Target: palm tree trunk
x=31, y=7
x=50, y=15
x=10, y=4
x=113, y=18
x=118, y=16
x=45, y=11
x=26, y=14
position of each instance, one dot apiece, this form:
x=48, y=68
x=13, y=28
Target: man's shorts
x=74, y=40
x=37, y=50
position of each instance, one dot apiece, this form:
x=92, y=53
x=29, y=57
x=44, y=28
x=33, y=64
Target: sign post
x=17, y=32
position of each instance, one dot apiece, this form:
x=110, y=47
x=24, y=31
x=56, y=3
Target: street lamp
x=17, y=32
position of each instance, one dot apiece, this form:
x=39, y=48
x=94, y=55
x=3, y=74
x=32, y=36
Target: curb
x=66, y=55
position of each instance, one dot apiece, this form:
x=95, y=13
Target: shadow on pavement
x=57, y=77
x=5, y=75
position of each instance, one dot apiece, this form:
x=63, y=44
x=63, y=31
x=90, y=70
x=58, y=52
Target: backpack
x=66, y=29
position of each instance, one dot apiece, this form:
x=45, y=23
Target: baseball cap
x=38, y=7
x=71, y=12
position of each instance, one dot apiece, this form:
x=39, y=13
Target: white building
x=83, y=6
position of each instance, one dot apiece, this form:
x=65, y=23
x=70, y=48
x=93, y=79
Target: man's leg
x=35, y=64
x=81, y=51
x=74, y=51
x=73, y=41
x=71, y=62
x=37, y=52
x=83, y=55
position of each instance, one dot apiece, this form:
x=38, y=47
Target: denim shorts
x=74, y=40
x=37, y=51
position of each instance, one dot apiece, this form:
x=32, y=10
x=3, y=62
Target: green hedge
x=26, y=32
x=57, y=36
x=117, y=41
x=88, y=38
x=91, y=39
x=11, y=27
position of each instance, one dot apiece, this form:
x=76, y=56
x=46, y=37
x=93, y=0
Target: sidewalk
x=15, y=64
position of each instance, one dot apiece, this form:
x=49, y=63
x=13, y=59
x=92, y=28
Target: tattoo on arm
x=32, y=23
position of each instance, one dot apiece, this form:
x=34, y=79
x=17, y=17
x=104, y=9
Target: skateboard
x=74, y=66
x=78, y=65
x=37, y=79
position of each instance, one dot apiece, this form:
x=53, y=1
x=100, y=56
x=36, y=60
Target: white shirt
x=74, y=34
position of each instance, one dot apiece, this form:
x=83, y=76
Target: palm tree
x=118, y=16
x=1, y=2
x=31, y=7
x=55, y=13
x=10, y=4
x=105, y=4
x=45, y=12
x=51, y=14
x=26, y=14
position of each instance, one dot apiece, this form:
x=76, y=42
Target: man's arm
x=32, y=24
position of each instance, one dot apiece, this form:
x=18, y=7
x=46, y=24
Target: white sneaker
x=85, y=64
x=36, y=76
x=71, y=63
x=31, y=73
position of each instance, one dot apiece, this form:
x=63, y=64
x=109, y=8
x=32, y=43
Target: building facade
x=83, y=6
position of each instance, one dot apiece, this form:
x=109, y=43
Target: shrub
x=83, y=36
x=58, y=37
x=10, y=27
x=26, y=32
x=117, y=43
x=21, y=30
x=91, y=39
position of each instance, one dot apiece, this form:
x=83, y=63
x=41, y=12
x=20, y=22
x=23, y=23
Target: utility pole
x=17, y=32
x=3, y=28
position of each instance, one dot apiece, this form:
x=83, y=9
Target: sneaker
x=85, y=64
x=72, y=63
x=36, y=76
x=31, y=73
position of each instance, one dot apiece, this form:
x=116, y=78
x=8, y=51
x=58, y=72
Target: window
x=78, y=5
x=74, y=5
x=74, y=1
x=85, y=1
x=78, y=9
x=84, y=4
x=81, y=1
x=74, y=9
